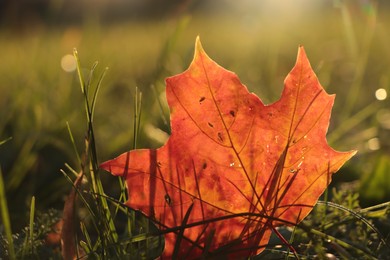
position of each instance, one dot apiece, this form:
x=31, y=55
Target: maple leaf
x=233, y=168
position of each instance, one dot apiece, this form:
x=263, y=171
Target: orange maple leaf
x=233, y=168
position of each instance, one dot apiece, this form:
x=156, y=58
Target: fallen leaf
x=68, y=233
x=233, y=168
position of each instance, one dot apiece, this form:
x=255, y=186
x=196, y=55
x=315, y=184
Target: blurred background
x=143, y=42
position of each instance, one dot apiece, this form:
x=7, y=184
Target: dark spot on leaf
x=232, y=113
x=159, y=164
x=210, y=124
x=201, y=99
x=204, y=166
x=220, y=137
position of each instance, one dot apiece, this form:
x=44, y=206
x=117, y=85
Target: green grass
x=6, y=220
x=41, y=104
x=100, y=236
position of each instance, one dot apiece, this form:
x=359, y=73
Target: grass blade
x=79, y=73
x=32, y=214
x=181, y=232
x=352, y=121
x=95, y=94
x=5, y=140
x=73, y=144
x=5, y=218
x=359, y=217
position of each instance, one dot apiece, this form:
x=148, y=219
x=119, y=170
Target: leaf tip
x=198, y=46
x=301, y=52
x=353, y=153
x=303, y=60
x=105, y=166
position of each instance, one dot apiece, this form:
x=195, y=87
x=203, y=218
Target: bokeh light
x=373, y=144
x=68, y=63
x=381, y=94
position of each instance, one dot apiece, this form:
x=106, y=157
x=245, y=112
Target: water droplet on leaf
x=168, y=199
